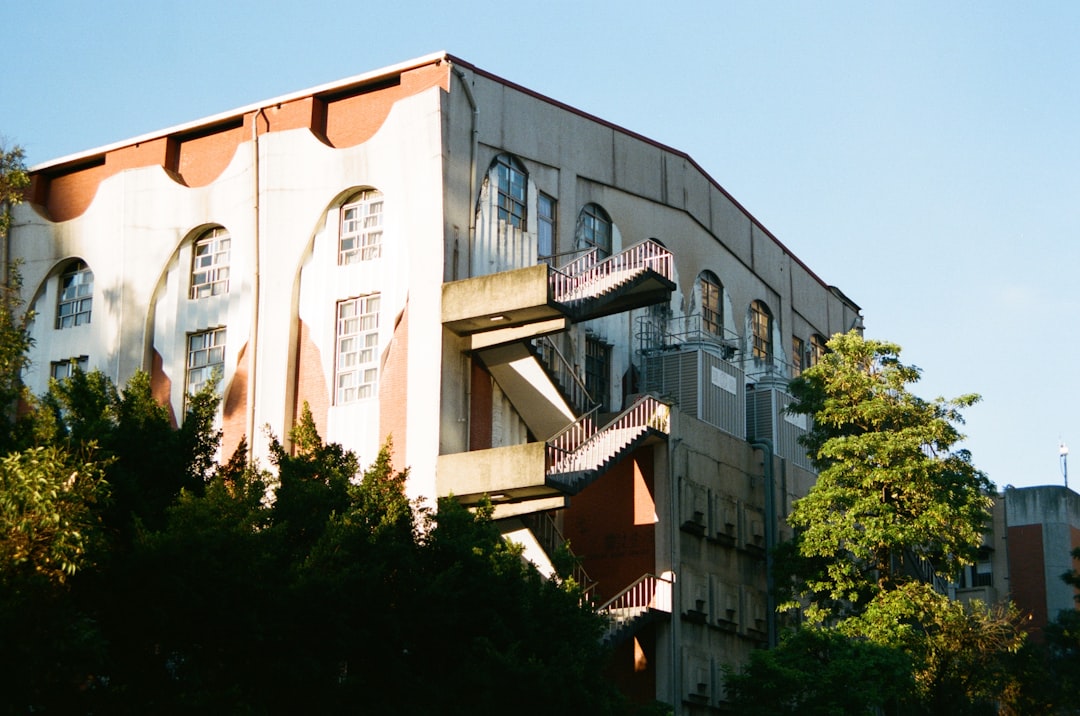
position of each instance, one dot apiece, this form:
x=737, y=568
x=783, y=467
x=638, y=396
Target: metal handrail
x=648, y=591
x=568, y=282
x=588, y=447
x=550, y=538
x=565, y=375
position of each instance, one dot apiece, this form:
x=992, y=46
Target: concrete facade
x=528, y=317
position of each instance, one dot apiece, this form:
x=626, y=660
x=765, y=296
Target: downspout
x=254, y=338
x=473, y=150
x=766, y=446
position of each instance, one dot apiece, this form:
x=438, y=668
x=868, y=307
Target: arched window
x=594, y=230
x=712, y=303
x=761, y=326
x=512, y=183
x=360, y=236
x=210, y=263
x=817, y=348
x=75, y=297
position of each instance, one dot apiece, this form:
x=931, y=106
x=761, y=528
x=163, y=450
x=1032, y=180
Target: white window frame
x=75, y=296
x=361, y=228
x=356, y=354
x=205, y=357
x=61, y=369
x=210, y=255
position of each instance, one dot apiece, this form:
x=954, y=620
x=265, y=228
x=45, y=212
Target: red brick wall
x=353, y=119
x=1027, y=574
x=161, y=385
x=480, y=408
x=393, y=385
x=234, y=410
x=201, y=158
x=311, y=385
x=198, y=157
x=611, y=525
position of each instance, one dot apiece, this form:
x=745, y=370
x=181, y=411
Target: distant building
x=537, y=305
x=1024, y=554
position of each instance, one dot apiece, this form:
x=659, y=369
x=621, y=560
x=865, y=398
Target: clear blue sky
x=922, y=156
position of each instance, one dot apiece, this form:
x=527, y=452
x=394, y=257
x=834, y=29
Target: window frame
x=712, y=312
x=212, y=277
x=547, y=216
x=68, y=366
x=596, y=222
x=761, y=347
x=204, y=368
x=79, y=280
x=798, y=356
x=818, y=349
x=598, y=371
x=512, y=191
x=359, y=363
x=360, y=236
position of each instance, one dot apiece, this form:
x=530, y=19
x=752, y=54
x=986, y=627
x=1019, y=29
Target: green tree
x=896, y=505
x=894, y=495
x=15, y=338
x=820, y=672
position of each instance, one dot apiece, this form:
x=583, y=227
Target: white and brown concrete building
x=537, y=305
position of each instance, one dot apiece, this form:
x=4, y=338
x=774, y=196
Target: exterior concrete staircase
x=590, y=287
x=643, y=602
x=581, y=453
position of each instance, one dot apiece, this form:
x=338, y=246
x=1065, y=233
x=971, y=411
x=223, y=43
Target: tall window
x=545, y=227
x=206, y=356
x=60, y=369
x=356, y=372
x=598, y=371
x=360, y=238
x=817, y=348
x=512, y=184
x=761, y=324
x=210, y=264
x=594, y=227
x=76, y=297
x=712, y=306
x=798, y=348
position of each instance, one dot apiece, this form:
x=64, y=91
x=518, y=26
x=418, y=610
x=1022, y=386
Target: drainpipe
x=766, y=446
x=253, y=340
x=473, y=151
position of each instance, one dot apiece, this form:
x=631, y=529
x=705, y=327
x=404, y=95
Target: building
x=537, y=306
x=1025, y=553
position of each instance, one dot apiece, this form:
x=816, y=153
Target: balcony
x=583, y=289
x=545, y=473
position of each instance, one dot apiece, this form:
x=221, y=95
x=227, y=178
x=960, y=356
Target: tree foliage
x=322, y=589
x=894, y=494
x=896, y=506
x=820, y=672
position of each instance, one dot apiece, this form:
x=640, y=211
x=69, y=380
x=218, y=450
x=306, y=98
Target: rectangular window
x=797, y=350
x=76, y=298
x=60, y=369
x=356, y=372
x=545, y=228
x=598, y=371
x=512, y=183
x=206, y=358
x=762, y=326
x=361, y=228
x=210, y=264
